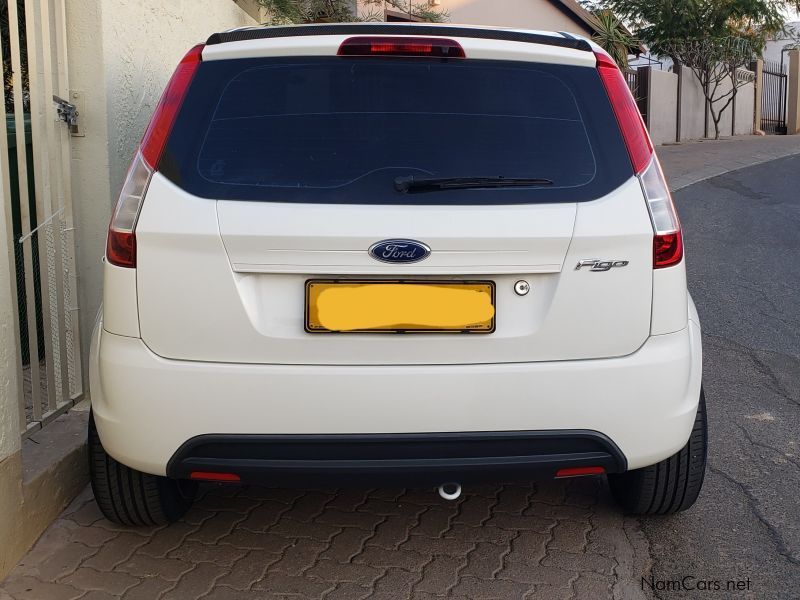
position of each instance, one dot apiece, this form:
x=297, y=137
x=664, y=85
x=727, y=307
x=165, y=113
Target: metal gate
x=638, y=81
x=773, y=98
x=35, y=172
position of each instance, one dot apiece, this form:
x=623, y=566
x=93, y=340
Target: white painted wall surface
x=789, y=39
x=525, y=14
x=121, y=54
x=522, y=14
x=662, y=106
x=745, y=101
x=692, y=107
x=663, y=101
x=9, y=407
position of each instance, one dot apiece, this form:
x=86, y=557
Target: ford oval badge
x=399, y=251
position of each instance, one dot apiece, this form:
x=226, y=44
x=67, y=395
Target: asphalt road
x=743, y=244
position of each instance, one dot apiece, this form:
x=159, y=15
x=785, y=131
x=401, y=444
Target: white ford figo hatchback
x=394, y=254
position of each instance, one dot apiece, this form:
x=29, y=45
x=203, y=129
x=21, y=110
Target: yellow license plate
x=349, y=306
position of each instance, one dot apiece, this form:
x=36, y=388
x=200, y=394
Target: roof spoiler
x=508, y=35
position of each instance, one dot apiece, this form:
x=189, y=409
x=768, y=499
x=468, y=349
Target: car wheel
x=130, y=497
x=671, y=485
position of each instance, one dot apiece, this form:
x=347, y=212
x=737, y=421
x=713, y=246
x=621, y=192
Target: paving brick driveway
x=552, y=540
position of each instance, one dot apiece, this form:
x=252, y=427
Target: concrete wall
x=692, y=107
x=662, y=110
x=9, y=400
x=662, y=104
x=121, y=55
x=793, y=94
x=745, y=105
x=782, y=40
x=525, y=14
x=10, y=465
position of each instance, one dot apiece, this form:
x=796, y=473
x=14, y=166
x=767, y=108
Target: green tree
x=613, y=37
x=715, y=39
x=340, y=11
x=718, y=65
x=659, y=23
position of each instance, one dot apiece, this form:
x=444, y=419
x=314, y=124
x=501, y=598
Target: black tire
x=671, y=485
x=130, y=497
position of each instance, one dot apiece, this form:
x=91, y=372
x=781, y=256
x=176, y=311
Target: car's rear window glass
x=341, y=130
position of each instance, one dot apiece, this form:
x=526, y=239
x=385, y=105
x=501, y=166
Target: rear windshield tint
x=341, y=130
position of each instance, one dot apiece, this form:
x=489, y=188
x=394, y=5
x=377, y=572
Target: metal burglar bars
x=637, y=80
x=35, y=162
x=773, y=98
x=632, y=79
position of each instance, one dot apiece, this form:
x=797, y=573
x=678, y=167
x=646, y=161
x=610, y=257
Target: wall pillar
x=10, y=392
x=793, y=94
x=10, y=385
x=758, y=68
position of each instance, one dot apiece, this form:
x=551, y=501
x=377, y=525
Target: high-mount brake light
x=634, y=132
x=433, y=47
x=121, y=240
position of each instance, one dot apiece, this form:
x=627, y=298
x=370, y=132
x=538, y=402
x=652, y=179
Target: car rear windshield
x=346, y=130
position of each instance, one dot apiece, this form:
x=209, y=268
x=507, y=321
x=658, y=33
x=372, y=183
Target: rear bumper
x=396, y=459
x=147, y=407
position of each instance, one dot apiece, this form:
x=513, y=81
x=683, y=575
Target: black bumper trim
x=396, y=459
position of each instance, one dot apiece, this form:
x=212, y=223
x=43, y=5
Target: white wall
x=9, y=411
x=121, y=54
x=662, y=110
x=524, y=14
x=773, y=48
x=745, y=104
x=692, y=107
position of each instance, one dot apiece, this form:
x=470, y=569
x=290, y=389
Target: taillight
x=668, y=240
x=155, y=138
x=121, y=241
x=401, y=46
x=637, y=141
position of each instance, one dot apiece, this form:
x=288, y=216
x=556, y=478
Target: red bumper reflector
x=210, y=476
x=401, y=46
x=577, y=471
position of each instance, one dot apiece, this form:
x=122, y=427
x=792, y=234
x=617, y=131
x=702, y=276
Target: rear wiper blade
x=409, y=183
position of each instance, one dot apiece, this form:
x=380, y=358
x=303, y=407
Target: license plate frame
x=312, y=326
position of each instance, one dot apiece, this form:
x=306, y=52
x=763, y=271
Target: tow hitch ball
x=450, y=491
